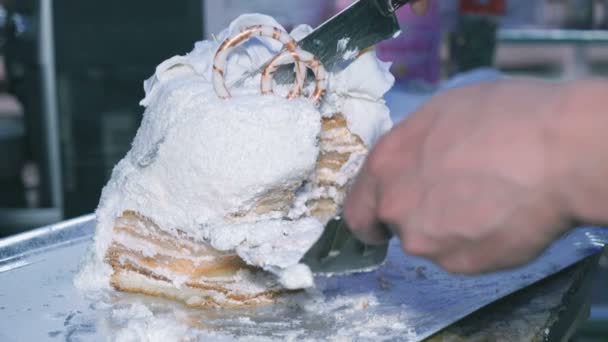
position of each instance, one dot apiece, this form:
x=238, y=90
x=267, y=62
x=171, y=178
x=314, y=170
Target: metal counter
x=406, y=297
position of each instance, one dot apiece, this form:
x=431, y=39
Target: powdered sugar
x=303, y=317
x=350, y=54
x=214, y=159
x=142, y=325
x=296, y=277
x=342, y=44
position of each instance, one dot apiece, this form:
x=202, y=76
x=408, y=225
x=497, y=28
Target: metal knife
x=363, y=24
x=338, y=251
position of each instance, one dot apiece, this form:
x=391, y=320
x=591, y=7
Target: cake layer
x=275, y=201
x=194, y=295
x=150, y=261
x=336, y=167
x=337, y=146
x=141, y=227
x=209, y=269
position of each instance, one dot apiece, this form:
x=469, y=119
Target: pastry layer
x=147, y=260
x=194, y=295
x=338, y=148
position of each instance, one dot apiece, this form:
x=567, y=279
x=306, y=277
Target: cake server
x=338, y=251
x=338, y=41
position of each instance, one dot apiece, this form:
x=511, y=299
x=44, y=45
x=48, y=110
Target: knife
x=339, y=252
x=358, y=27
x=362, y=25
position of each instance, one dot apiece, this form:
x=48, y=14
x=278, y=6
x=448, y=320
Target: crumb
x=384, y=284
x=420, y=272
x=54, y=333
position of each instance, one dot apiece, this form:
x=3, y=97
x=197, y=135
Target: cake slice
x=177, y=267
x=221, y=196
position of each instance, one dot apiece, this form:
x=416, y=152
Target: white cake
x=219, y=199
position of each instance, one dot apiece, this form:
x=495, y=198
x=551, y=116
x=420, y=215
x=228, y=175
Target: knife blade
x=337, y=41
x=338, y=251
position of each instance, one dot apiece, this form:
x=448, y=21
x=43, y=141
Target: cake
x=226, y=187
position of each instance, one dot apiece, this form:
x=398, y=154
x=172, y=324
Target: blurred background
x=71, y=74
x=71, y=77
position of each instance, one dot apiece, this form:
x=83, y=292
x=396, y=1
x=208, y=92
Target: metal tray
x=405, y=298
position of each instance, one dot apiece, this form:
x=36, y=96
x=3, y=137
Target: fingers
x=360, y=209
x=361, y=203
x=383, y=192
x=498, y=252
x=524, y=233
x=417, y=244
x=420, y=7
x=378, y=178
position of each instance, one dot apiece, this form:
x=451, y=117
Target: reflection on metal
x=552, y=36
x=599, y=313
x=49, y=92
x=37, y=240
x=13, y=266
x=13, y=220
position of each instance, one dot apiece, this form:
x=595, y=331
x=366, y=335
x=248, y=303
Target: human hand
x=470, y=180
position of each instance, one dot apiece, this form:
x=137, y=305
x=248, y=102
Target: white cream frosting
x=197, y=159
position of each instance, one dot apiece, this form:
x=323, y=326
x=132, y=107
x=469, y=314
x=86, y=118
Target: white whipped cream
x=197, y=158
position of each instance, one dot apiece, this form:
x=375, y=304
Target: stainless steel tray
x=403, y=299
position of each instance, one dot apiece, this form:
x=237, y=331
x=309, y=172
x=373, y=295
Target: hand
x=470, y=180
